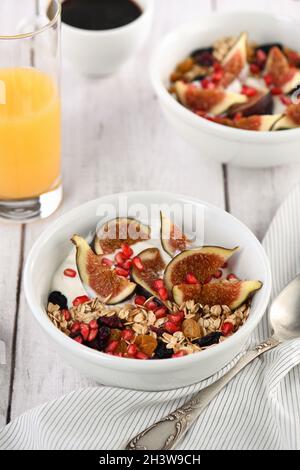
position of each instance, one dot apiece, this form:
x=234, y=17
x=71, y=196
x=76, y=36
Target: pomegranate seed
x=276, y=91
x=201, y=113
x=107, y=262
x=217, y=77
x=112, y=346
x=255, y=69
x=191, y=279
x=139, y=300
x=119, y=259
x=176, y=317
x=208, y=280
x=205, y=83
x=70, y=273
x=261, y=56
x=127, y=265
x=92, y=335
x=237, y=117
x=78, y=339
x=227, y=328
x=248, y=91
x=161, y=312
x=137, y=262
x=171, y=327
x=163, y=293
x=268, y=79
x=179, y=354
x=126, y=250
x=141, y=355
x=67, y=315
x=80, y=300
x=225, y=265
x=286, y=100
x=75, y=327
x=132, y=350
x=84, y=330
x=231, y=277
x=151, y=305
x=218, y=274
x=218, y=67
x=119, y=354
x=121, y=272
x=93, y=325
x=127, y=334
x=158, y=284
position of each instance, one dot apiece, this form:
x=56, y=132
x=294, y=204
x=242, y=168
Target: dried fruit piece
x=209, y=340
x=146, y=344
x=232, y=294
x=235, y=60
x=109, y=287
x=57, y=298
x=153, y=265
x=173, y=240
x=202, y=262
x=211, y=101
x=162, y=352
x=113, y=234
x=191, y=329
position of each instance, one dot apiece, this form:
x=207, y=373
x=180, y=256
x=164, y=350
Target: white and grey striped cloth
x=259, y=409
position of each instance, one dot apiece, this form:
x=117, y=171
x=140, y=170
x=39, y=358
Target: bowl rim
x=113, y=362
x=218, y=130
x=147, y=10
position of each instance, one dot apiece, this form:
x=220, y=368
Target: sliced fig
x=235, y=60
x=232, y=294
x=258, y=105
x=201, y=262
x=109, y=287
x=290, y=120
x=257, y=123
x=173, y=240
x=268, y=46
x=211, y=101
x=283, y=75
x=112, y=234
x=153, y=265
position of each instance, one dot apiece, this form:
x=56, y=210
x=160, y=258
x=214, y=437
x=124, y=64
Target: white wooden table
x=115, y=139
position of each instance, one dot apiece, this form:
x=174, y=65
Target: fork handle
x=165, y=434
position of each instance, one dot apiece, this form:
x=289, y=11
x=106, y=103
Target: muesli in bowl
x=125, y=294
x=241, y=84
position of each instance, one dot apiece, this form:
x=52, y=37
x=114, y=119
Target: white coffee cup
x=96, y=53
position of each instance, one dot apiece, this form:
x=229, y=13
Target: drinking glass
x=30, y=127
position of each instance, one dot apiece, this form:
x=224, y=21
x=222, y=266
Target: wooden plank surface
x=115, y=139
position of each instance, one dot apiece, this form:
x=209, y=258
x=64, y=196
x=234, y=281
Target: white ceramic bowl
x=97, y=53
x=220, y=228
x=214, y=141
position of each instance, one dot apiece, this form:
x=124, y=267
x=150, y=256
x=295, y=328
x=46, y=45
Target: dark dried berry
x=57, y=298
x=158, y=331
x=267, y=47
x=204, y=57
x=111, y=322
x=104, y=333
x=162, y=352
x=102, y=339
x=209, y=340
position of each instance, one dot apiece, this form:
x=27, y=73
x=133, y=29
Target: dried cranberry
x=162, y=352
x=158, y=331
x=57, y=298
x=209, y=340
x=111, y=322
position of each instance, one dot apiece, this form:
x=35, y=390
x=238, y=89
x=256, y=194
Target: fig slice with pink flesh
x=112, y=234
x=282, y=74
x=235, y=60
x=232, y=294
x=201, y=262
x=153, y=265
x=173, y=240
x=99, y=279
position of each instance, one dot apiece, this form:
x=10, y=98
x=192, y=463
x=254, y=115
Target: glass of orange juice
x=30, y=128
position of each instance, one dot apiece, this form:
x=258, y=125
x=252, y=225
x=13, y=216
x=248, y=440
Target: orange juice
x=29, y=133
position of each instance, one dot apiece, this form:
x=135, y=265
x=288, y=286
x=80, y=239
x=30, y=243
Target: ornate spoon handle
x=165, y=434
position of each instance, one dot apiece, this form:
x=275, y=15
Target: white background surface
x=115, y=139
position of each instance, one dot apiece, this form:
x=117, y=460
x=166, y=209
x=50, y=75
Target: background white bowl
x=220, y=228
x=220, y=143
x=96, y=53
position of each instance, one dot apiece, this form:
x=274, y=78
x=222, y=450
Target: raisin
x=111, y=322
x=57, y=298
x=162, y=352
x=204, y=57
x=209, y=340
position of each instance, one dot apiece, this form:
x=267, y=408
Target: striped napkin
x=259, y=409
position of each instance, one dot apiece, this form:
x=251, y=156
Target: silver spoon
x=285, y=322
